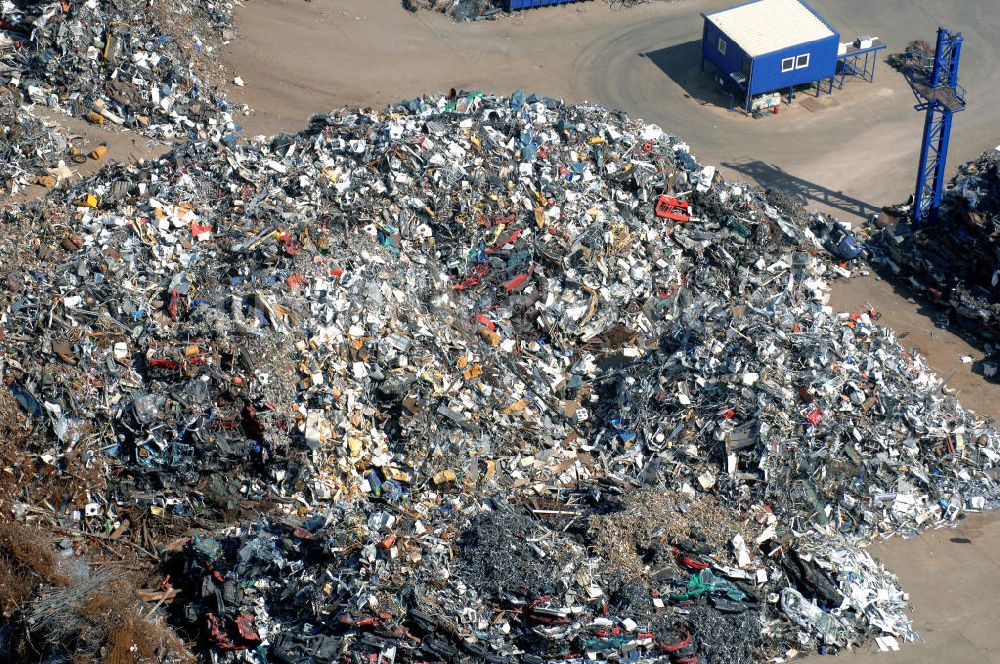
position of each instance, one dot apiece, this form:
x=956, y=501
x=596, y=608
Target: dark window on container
x=722, y=46
x=802, y=61
x=788, y=64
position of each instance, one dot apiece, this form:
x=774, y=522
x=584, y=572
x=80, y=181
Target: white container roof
x=766, y=26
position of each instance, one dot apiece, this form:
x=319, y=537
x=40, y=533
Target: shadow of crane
x=802, y=191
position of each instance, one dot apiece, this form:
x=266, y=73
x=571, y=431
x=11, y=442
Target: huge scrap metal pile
x=459, y=10
x=477, y=10
x=956, y=259
x=150, y=67
x=471, y=378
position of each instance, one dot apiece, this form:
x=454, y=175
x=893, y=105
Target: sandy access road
x=848, y=154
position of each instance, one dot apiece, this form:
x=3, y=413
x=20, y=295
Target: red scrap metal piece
x=289, y=244
x=244, y=625
x=367, y=621
x=251, y=413
x=486, y=322
x=175, y=301
x=512, y=238
x=197, y=230
x=515, y=283
x=473, y=277
x=687, y=561
x=815, y=416
x=7, y=25
x=219, y=635
x=683, y=643
x=668, y=207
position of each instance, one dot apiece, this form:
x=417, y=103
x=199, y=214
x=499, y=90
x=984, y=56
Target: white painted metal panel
x=766, y=26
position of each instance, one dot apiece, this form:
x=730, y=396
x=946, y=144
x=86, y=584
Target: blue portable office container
x=770, y=45
x=514, y=5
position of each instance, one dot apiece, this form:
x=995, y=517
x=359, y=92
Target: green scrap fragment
x=706, y=582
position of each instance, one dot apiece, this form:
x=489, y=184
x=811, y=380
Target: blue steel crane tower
x=939, y=94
